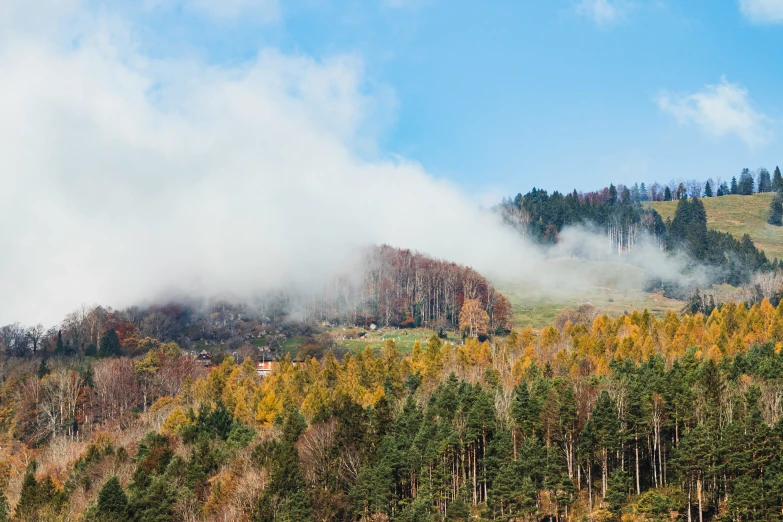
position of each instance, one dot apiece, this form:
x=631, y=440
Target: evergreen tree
x=112, y=502
x=60, y=348
x=619, y=488
x=612, y=194
x=776, y=210
x=689, y=228
x=642, y=192
x=667, y=194
x=110, y=344
x=777, y=180
x=764, y=182
x=734, y=188
x=29, y=501
x=635, y=194
x=43, y=369
x=681, y=193
x=156, y=503
x=38, y=500
x=604, y=430
x=4, y=508
x=707, y=190
x=745, y=185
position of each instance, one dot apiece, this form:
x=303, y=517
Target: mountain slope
x=738, y=215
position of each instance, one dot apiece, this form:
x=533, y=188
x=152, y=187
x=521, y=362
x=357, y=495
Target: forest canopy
x=595, y=416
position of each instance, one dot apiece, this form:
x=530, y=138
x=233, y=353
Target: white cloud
x=603, y=12
x=762, y=11
x=720, y=110
x=126, y=176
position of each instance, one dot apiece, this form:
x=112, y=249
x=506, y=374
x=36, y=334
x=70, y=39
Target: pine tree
x=777, y=180
x=745, y=185
x=110, y=344
x=734, y=189
x=29, y=501
x=112, y=502
x=764, y=183
x=681, y=193
x=43, y=369
x=619, y=487
x=604, y=427
x=4, y=508
x=708, y=190
x=636, y=196
x=667, y=194
x=60, y=348
x=776, y=210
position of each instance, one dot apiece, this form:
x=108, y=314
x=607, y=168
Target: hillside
x=738, y=215
x=611, y=287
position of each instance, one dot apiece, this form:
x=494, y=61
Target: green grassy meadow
x=738, y=215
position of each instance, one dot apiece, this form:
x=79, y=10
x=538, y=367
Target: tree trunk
x=590, y=485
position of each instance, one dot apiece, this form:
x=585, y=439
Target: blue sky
x=505, y=95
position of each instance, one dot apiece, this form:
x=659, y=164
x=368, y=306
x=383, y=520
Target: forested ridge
x=626, y=222
x=634, y=418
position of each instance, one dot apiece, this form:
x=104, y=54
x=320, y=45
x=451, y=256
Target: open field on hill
x=738, y=215
x=613, y=288
x=403, y=338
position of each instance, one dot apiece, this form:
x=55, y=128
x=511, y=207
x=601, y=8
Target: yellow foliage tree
x=473, y=319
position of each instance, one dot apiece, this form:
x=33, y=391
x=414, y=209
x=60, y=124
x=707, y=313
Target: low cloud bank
x=127, y=178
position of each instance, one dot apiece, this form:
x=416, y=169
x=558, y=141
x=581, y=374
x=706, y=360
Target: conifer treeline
x=625, y=221
x=594, y=419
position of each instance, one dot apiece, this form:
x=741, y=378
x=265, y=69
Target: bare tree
x=695, y=188
x=14, y=340
x=656, y=191
x=156, y=325
x=34, y=335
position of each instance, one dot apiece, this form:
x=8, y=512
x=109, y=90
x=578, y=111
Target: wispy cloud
x=763, y=11
x=720, y=110
x=226, y=10
x=603, y=12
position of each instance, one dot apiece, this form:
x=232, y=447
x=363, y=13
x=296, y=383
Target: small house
x=204, y=358
x=265, y=368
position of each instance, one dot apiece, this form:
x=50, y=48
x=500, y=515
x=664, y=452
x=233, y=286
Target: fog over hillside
x=127, y=176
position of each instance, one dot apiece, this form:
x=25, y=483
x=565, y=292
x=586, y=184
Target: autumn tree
x=473, y=319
